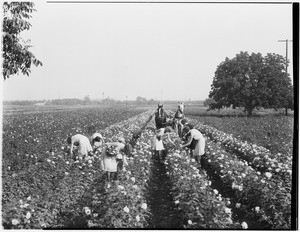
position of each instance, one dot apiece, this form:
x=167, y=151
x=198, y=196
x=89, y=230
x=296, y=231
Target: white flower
x=227, y=210
x=244, y=225
x=66, y=173
x=243, y=175
x=95, y=215
x=28, y=215
x=240, y=188
x=90, y=223
x=176, y=202
x=29, y=198
x=67, y=162
x=87, y=210
x=215, y=191
x=48, y=160
x=126, y=209
x=120, y=187
x=262, y=181
x=15, y=222
x=144, y=206
x=90, y=161
x=209, y=183
x=190, y=222
x=132, y=179
x=257, y=209
x=137, y=218
x=268, y=175
x=238, y=205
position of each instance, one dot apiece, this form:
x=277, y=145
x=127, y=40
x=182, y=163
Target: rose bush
x=250, y=188
x=203, y=206
x=258, y=157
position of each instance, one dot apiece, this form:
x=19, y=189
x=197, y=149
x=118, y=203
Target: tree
x=141, y=100
x=16, y=54
x=208, y=101
x=250, y=81
x=87, y=100
x=279, y=83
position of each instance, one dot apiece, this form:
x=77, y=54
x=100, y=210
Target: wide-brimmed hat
x=95, y=135
x=186, y=130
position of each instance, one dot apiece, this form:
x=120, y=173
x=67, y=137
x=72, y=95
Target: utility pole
x=286, y=62
x=286, y=53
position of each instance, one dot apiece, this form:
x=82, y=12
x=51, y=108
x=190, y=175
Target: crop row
x=53, y=189
x=123, y=204
x=197, y=204
x=203, y=206
x=259, y=198
x=258, y=157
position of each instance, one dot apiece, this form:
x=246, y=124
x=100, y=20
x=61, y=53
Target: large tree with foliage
x=251, y=81
x=16, y=54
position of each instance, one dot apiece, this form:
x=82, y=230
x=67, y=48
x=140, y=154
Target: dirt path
x=160, y=199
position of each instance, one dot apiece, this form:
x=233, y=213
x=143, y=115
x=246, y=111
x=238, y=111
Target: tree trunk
x=249, y=112
x=286, y=111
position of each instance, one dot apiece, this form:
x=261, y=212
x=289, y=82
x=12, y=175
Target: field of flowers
x=241, y=185
x=273, y=132
x=258, y=182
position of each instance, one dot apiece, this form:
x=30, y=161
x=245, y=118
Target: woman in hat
x=196, y=143
x=112, y=158
x=97, y=142
x=83, y=144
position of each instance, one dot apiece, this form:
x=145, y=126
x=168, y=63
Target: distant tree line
x=140, y=101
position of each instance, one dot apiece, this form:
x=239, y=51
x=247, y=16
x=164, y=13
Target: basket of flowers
x=111, y=151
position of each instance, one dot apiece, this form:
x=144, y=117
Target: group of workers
x=113, y=154
x=113, y=157
x=191, y=138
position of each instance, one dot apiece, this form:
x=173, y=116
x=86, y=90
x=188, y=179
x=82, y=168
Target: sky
x=161, y=51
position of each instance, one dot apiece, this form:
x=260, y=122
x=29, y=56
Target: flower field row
x=260, y=198
x=198, y=205
x=122, y=204
x=203, y=207
x=55, y=191
x=258, y=157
